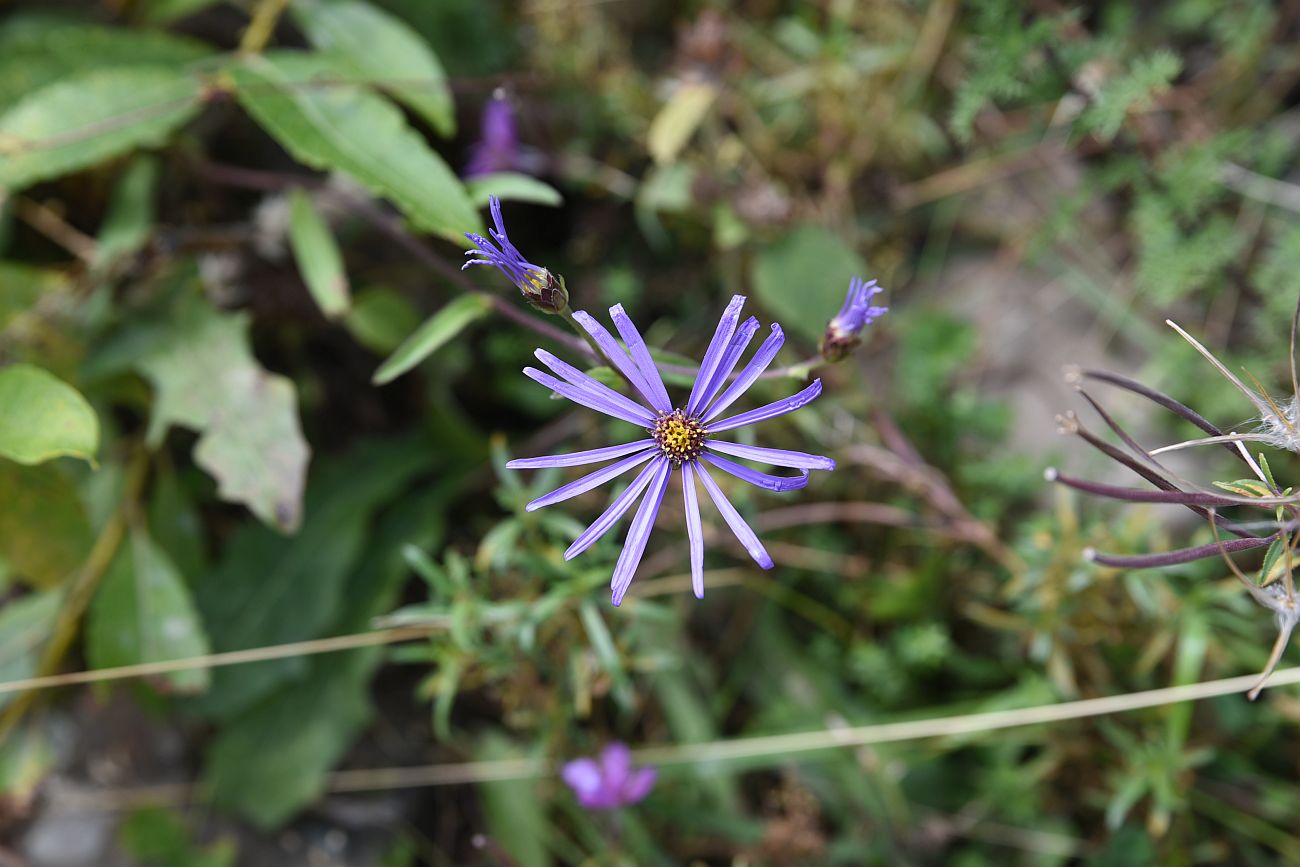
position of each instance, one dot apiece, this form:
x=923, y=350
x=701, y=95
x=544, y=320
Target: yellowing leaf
x=42, y=417
x=678, y=120
x=208, y=380
x=44, y=532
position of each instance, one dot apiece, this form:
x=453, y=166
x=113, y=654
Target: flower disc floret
x=680, y=437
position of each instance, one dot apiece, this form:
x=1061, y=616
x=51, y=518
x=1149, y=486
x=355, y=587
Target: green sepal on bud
x=547, y=293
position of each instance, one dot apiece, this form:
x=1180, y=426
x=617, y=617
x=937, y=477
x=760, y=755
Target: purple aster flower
x=497, y=149
x=680, y=437
x=611, y=782
x=540, y=288
x=842, y=334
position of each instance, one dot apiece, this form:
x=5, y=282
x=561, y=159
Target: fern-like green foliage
x=1133, y=90
x=1007, y=61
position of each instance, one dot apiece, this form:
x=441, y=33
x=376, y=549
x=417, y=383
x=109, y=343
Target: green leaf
x=166, y=11
x=44, y=532
x=802, y=278
x=26, y=757
x=327, y=125
x=36, y=50
x=381, y=318
x=273, y=760
x=207, y=380
x=1246, y=488
x=318, y=256
x=158, y=838
x=21, y=285
x=1133, y=90
x=80, y=121
x=42, y=417
x=269, y=590
x=142, y=612
x=512, y=186
x=130, y=214
x=515, y=811
x=25, y=623
x=437, y=330
x=383, y=48
x=308, y=726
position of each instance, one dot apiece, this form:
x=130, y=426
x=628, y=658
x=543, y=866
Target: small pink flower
x=611, y=782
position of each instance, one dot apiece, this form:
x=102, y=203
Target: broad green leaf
x=208, y=380
x=25, y=623
x=297, y=98
x=383, y=48
x=802, y=278
x=157, y=837
x=512, y=186
x=36, y=50
x=381, y=318
x=437, y=330
x=82, y=120
x=318, y=257
x=130, y=214
x=42, y=417
x=515, y=811
x=142, y=612
x=273, y=760
x=308, y=725
x=44, y=532
x=20, y=287
x=678, y=120
x=271, y=590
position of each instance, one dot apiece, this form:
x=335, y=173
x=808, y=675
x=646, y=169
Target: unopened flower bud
x=843, y=332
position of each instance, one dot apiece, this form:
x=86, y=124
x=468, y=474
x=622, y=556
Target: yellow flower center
x=679, y=436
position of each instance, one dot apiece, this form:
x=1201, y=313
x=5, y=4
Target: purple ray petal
x=639, y=533
x=641, y=356
x=771, y=410
x=774, y=457
x=737, y=524
x=717, y=346
x=589, y=481
x=615, y=511
x=577, y=459
x=584, y=777
x=620, y=359
x=638, y=785
x=616, y=764
x=583, y=381
x=762, y=358
x=727, y=364
x=694, y=529
x=778, y=484
x=590, y=399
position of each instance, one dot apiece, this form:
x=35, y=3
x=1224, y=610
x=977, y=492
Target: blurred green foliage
x=247, y=398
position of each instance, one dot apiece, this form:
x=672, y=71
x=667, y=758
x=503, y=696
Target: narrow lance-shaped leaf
x=512, y=186
x=326, y=124
x=42, y=417
x=382, y=47
x=318, y=256
x=437, y=330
